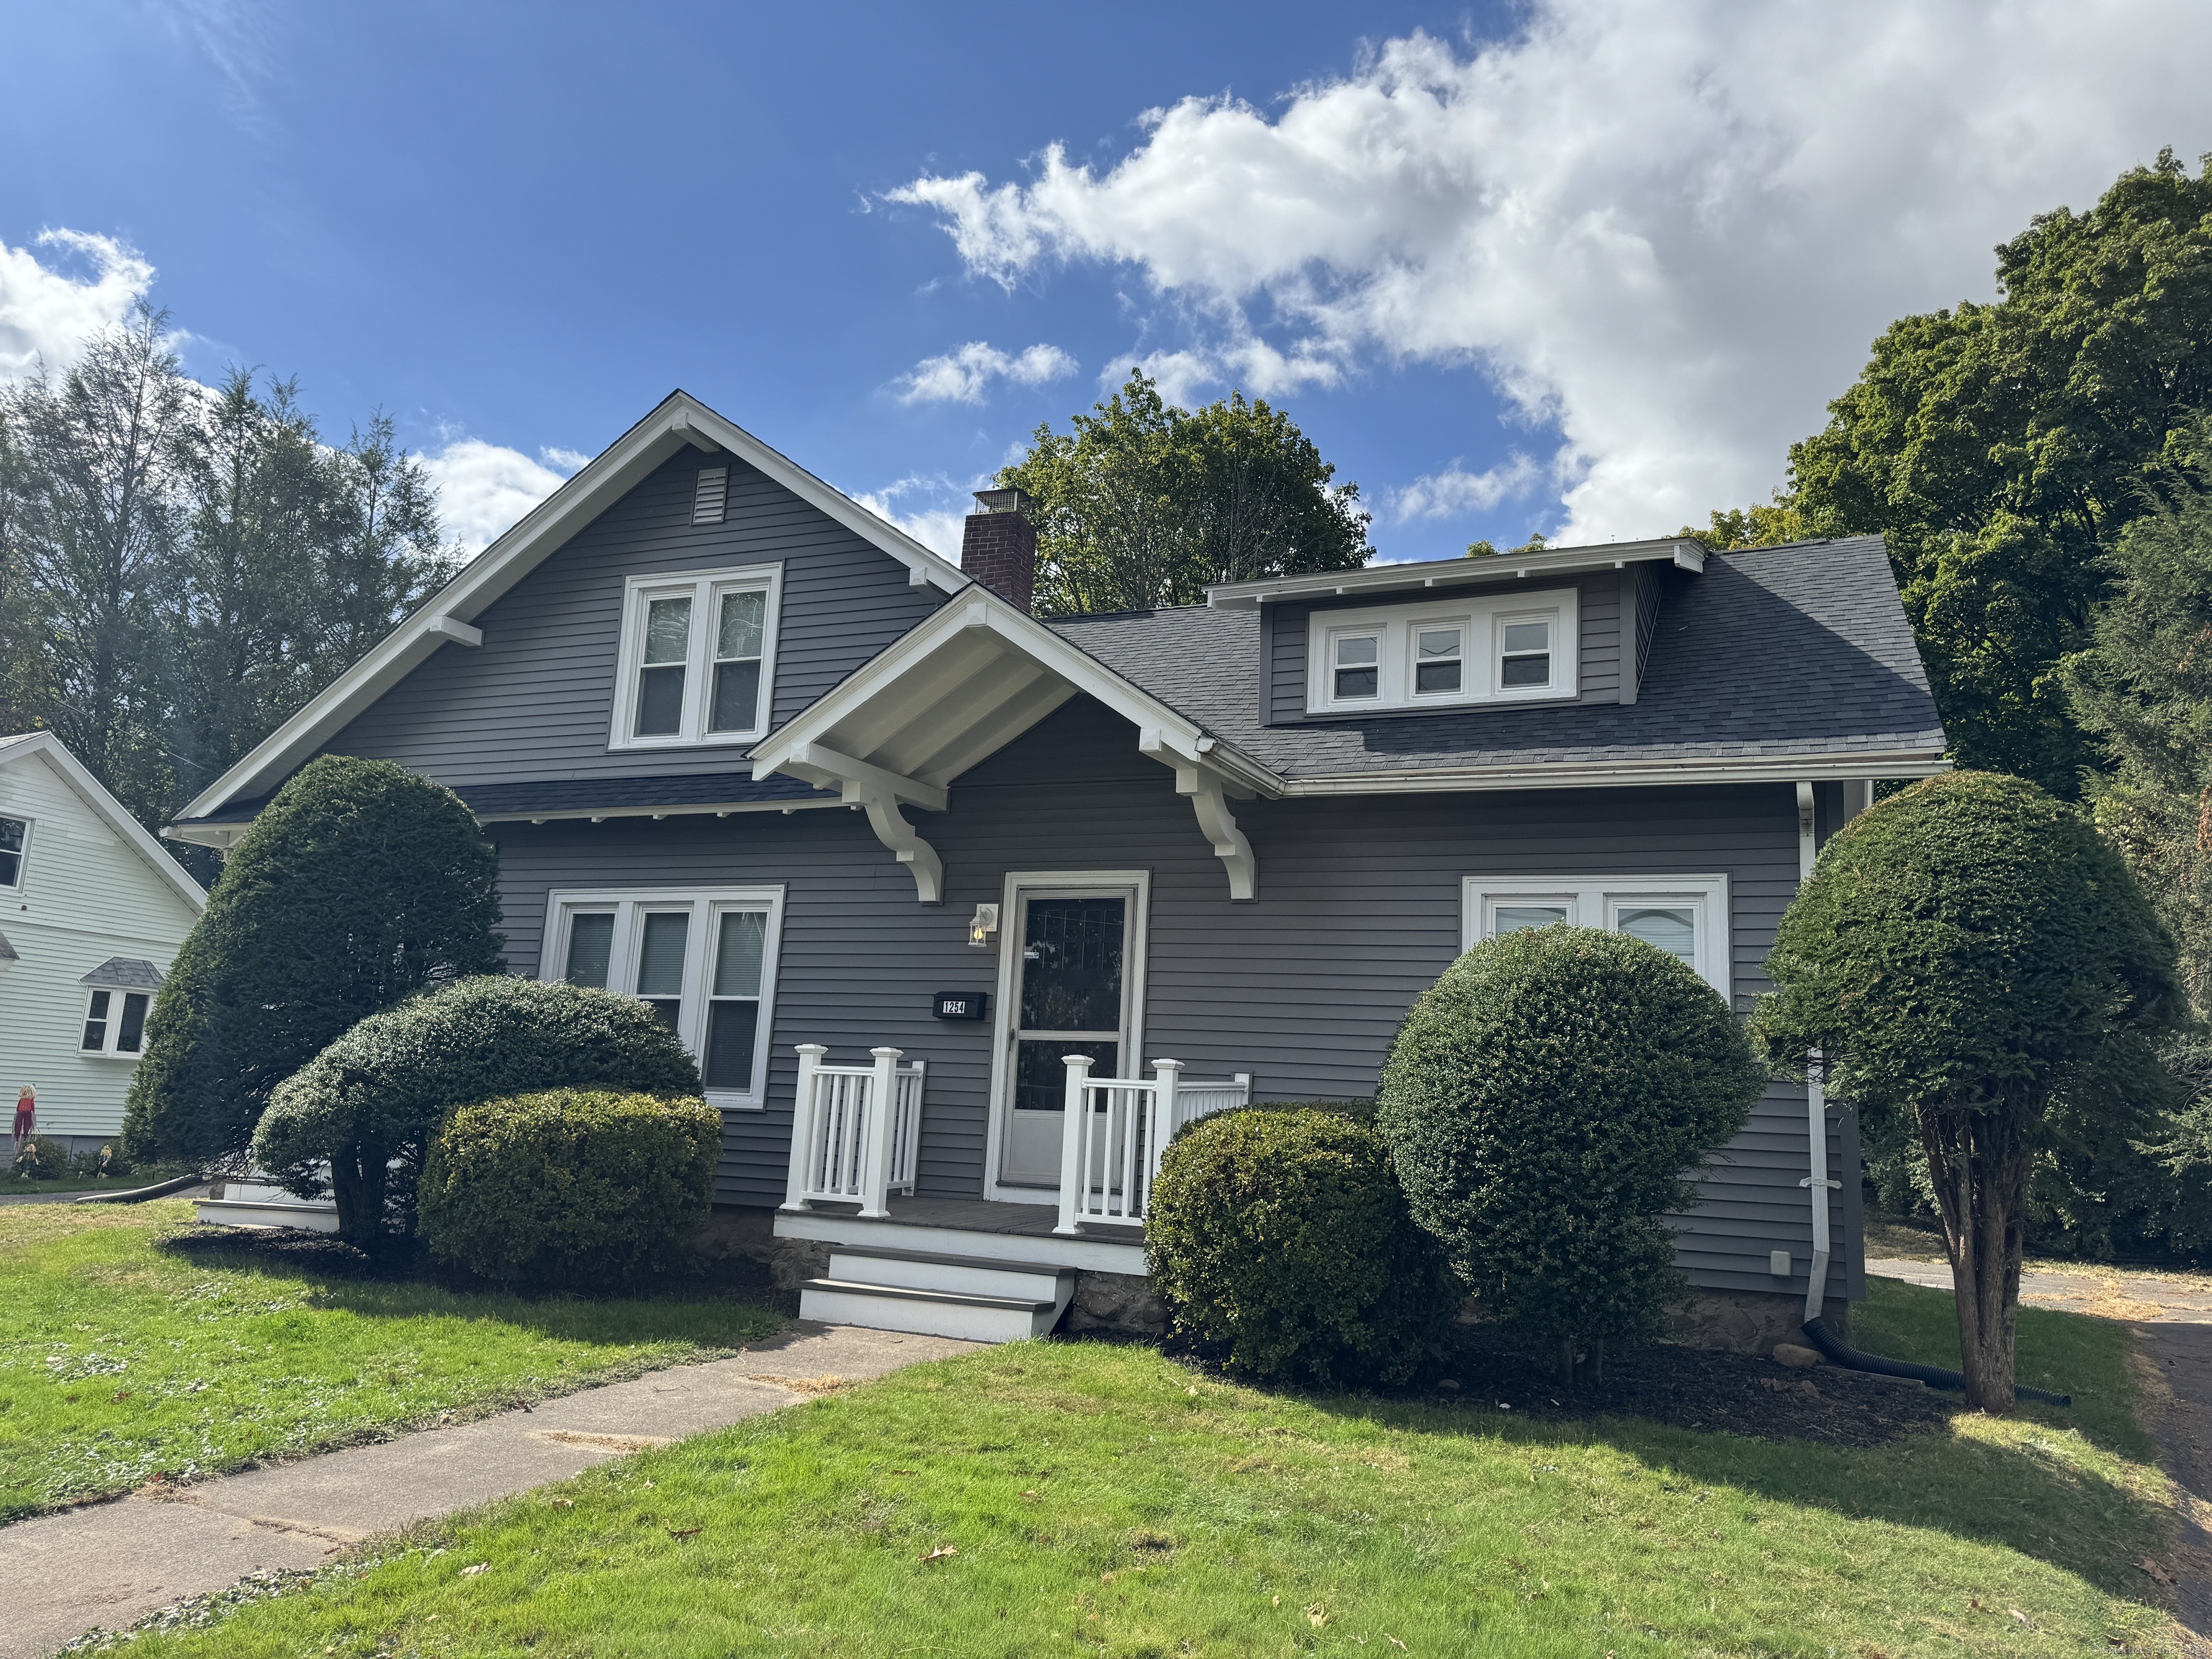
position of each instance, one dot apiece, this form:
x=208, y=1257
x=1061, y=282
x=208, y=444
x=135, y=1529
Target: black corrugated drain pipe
x=1837, y=1352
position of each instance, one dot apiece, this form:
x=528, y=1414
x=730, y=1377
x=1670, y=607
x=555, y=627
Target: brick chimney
x=998, y=546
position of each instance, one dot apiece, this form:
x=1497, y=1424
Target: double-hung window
x=118, y=995
x=1513, y=648
x=1685, y=916
x=15, y=851
x=697, y=664
x=704, y=959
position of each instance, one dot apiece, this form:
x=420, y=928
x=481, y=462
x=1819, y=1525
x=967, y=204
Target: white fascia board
x=1434, y=572
x=981, y=608
x=111, y=812
x=680, y=420
x=1608, y=774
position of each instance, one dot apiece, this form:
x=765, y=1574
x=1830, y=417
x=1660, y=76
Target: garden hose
x=1837, y=1351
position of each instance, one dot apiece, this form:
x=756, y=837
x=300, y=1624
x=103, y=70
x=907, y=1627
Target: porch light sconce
x=986, y=924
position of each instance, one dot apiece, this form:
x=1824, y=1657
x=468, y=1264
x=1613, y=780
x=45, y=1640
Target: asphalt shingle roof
x=1802, y=650
x=588, y=794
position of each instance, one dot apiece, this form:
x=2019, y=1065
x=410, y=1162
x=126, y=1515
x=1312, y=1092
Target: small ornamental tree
x=1543, y=1102
x=358, y=884
x=1970, y=952
x=376, y=1095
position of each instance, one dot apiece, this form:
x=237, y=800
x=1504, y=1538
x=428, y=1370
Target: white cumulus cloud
x=1665, y=232
x=962, y=376
x=1456, y=492
x=483, y=488
x=47, y=314
x=936, y=519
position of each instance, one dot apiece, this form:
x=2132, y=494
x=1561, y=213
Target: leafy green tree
x=92, y=460
x=2001, y=448
x=1760, y=524
x=1971, y=953
x=1141, y=503
x=358, y=884
x=1543, y=1102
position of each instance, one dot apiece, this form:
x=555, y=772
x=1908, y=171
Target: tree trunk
x=1978, y=1162
x=358, y=1174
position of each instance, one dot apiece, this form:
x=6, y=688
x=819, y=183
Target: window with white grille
x=697, y=664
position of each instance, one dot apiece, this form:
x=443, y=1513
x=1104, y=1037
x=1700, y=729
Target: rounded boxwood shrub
x=1542, y=1102
x=380, y=1092
x=570, y=1186
x=1279, y=1240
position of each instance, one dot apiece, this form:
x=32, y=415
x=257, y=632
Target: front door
x=1070, y=993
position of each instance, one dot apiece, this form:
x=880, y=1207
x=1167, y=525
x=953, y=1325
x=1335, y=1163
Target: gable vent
x=711, y=496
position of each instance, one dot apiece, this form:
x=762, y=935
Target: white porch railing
x=844, y=1147
x=1115, y=1129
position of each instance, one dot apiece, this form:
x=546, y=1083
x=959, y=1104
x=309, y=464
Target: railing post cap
x=893, y=1053
x=1167, y=1065
x=818, y=1049
x=1073, y=1060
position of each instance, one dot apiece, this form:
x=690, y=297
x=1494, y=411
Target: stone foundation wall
x=1749, y=1322
x=1116, y=1304
x=751, y=1233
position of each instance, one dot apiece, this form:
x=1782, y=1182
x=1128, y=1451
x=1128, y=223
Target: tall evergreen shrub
x=1543, y=1102
x=357, y=885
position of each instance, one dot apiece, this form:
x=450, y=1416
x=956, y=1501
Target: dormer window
x=15, y=845
x=1506, y=648
x=118, y=995
x=697, y=658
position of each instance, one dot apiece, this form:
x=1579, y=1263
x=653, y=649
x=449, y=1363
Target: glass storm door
x=1070, y=996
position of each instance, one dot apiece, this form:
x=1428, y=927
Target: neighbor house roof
x=1794, y=661
x=123, y=973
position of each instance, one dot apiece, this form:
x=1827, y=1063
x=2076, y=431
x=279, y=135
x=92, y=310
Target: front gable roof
x=14, y=751
x=681, y=419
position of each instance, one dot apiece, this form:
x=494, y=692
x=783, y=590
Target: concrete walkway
x=109, y=1563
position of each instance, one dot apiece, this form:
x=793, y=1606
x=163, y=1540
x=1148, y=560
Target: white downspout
x=1816, y=1181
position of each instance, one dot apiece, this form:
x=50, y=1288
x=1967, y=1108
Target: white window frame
x=1597, y=901
x=23, y=860
x=1482, y=624
x=629, y=906
x=115, y=994
x=704, y=589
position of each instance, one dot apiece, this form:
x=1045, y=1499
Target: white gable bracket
x=908, y=848
x=1207, y=791
x=453, y=629
x=879, y=793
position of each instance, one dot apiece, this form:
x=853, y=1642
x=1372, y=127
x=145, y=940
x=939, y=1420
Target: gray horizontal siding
x=1359, y=912
x=1283, y=636
x=534, y=701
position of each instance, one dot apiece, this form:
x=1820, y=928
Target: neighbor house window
x=1685, y=916
x=118, y=995
x=704, y=960
x=15, y=848
x=1502, y=649
x=697, y=658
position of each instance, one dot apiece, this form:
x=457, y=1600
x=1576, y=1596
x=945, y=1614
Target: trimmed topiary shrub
x=1970, y=954
x=1542, y=1102
x=570, y=1186
x=358, y=885
x=379, y=1092
x=1279, y=1240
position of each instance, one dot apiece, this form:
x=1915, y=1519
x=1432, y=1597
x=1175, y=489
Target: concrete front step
x=935, y=1294
x=268, y=1213
x=924, y=1270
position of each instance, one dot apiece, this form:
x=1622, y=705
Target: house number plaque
x=963, y=1005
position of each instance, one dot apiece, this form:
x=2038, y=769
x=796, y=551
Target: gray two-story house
x=963, y=911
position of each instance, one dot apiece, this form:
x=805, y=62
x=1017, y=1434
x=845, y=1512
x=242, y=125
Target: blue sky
x=1582, y=266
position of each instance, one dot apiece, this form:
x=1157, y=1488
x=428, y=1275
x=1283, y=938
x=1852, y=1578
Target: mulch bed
x=1708, y=1390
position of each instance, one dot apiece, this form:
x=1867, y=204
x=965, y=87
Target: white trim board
x=679, y=420
x=1134, y=983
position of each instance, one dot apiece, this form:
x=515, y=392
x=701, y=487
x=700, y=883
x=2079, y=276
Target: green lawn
x=1050, y=1497
x=118, y=1362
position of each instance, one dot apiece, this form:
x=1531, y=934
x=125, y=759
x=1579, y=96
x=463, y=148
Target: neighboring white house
x=92, y=911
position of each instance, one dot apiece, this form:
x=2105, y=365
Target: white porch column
x=876, y=1150
x=1168, y=1072
x=802, y=1126
x=1074, y=1130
